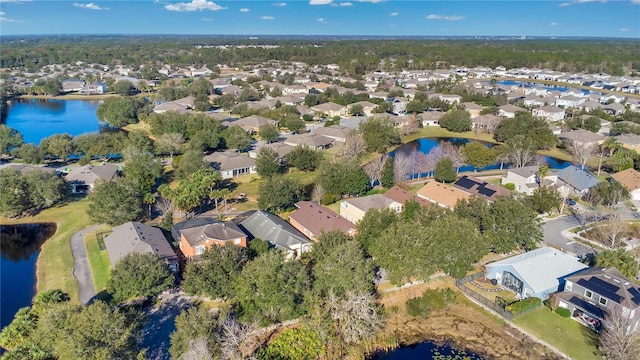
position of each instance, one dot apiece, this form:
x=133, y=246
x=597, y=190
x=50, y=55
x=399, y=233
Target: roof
x=401, y=196
x=577, y=178
x=582, y=135
x=334, y=131
x=318, y=219
x=442, y=194
x=25, y=168
x=511, y=108
x=629, y=139
x=308, y=139
x=477, y=186
x=279, y=147
x=541, y=268
x=609, y=283
x=215, y=230
x=135, y=237
x=628, y=178
x=486, y=119
x=254, y=121
x=328, y=106
x=229, y=160
x=375, y=201
x=273, y=229
x=89, y=174
x=525, y=171
x=550, y=109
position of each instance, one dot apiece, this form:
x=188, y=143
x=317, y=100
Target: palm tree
x=610, y=146
x=149, y=199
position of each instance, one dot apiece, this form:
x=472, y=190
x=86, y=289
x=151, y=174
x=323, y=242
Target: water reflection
x=19, y=242
x=424, y=351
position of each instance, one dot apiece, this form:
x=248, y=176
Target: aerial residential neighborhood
x=286, y=200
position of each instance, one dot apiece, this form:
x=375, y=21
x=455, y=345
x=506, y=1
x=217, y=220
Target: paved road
x=81, y=268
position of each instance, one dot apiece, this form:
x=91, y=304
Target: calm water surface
x=37, y=119
x=426, y=351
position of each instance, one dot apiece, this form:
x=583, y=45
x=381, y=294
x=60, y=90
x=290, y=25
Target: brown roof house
x=582, y=137
x=310, y=140
x=231, y=163
x=199, y=234
x=629, y=179
x=331, y=109
x=442, y=195
x=312, y=220
x=401, y=196
x=134, y=237
x=253, y=123
x=82, y=179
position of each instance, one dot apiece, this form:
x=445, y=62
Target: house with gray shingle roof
x=197, y=235
x=337, y=133
x=582, y=137
x=310, y=140
x=573, y=179
x=83, y=178
x=331, y=109
x=277, y=232
x=134, y=237
x=254, y=122
x=231, y=163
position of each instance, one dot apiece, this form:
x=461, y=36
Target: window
x=602, y=301
x=568, y=285
x=236, y=241
x=199, y=250
x=588, y=294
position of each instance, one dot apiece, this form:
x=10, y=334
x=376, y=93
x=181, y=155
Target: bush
x=521, y=306
x=563, y=312
x=510, y=186
x=328, y=198
x=429, y=301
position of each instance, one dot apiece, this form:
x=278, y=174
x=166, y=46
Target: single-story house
x=473, y=109
x=280, y=148
x=478, y=187
x=582, y=137
x=536, y=273
x=431, y=118
x=509, y=110
x=354, y=209
x=134, y=237
x=253, y=123
x=312, y=220
x=336, y=133
x=573, y=179
x=94, y=89
x=199, y=234
x=401, y=196
x=277, y=232
x=331, y=109
x=231, y=163
x=629, y=141
x=442, y=195
x=630, y=180
x=487, y=122
x=310, y=140
x=549, y=112
x=83, y=178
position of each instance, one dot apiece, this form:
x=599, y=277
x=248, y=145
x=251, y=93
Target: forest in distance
x=356, y=57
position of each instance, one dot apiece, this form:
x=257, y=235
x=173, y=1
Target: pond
x=425, y=145
x=37, y=119
x=19, y=248
x=425, y=351
x=548, y=87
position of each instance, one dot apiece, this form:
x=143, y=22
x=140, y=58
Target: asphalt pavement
x=81, y=267
x=553, y=236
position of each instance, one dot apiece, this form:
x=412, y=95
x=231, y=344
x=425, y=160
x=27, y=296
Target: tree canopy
x=139, y=275
x=115, y=202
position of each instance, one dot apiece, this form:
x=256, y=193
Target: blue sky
x=605, y=18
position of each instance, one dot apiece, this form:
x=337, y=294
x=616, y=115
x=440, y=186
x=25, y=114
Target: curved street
x=81, y=267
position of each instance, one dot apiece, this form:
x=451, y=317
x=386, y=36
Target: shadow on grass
x=591, y=337
x=102, y=296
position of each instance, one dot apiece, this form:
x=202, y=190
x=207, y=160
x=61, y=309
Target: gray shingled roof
x=577, y=178
x=229, y=160
x=525, y=171
x=216, y=230
x=135, y=237
x=89, y=174
x=375, y=201
x=271, y=228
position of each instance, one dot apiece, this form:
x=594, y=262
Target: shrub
x=563, y=312
x=510, y=186
x=328, y=198
x=523, y=305
x=429, y=301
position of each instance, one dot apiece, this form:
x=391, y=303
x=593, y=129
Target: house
x=486, y=123
x=337, y=133
x=536, y=273
x=573, y=179
x=277, y=232
x=310, y=140
x=478, y=187
x=253, y=123
x=331, y=109
x=231, y=163
x=71, y=85
x=549, y=112
x=630, y=180
x=442, y=195
x=629, y=141
x=169, y=106
x=312, y=220
x=354, y=209
x=525, y=179
x=570, y=101
x=509, y=110
x=614, y=109
x=593, y=293
x=533, y=100
x=431, y=118
x=94, y=89
x=401, y=196
x=280, y=148
x=582, y=137
x=367, y=107
x=199, y=234
x=473, y=109
x=134, y=237
x=83, y=178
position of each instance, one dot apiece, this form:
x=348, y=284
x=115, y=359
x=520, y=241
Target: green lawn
x=55, y=261
x=567, y=335
x=98, y=260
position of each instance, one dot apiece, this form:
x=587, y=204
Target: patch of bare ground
x=463, y=325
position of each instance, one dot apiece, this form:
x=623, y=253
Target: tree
x=387, y=176
x=613, y=229
x=123, y=87
x=236, y=138
x=9, y=138
x=620, y=259
x=169, y=143
x=373, y=224
x=444, y=171
x=478, y=155
x=194, y=324
x=293, y=344
x=356, y=317
x=18, y=331
x=269, y=133
x=119, y=111
x=304, y=158
x=345, y=177
x=607, y=193
x=512, y=224
x=213, y=275
x=379, y=134
x=356, y=110
x=190, y=162
x=267, y=162
x=545, y=199
x=30, y=153
x=456, y=121
x=271, y=289
x=619, y=340
x=294, y=124
x=145, y=170
x=279, y=192
x=531, y=127
x=352, y=148
x=115, y=202
x=138, y=274
x=58, y=145
x=521, y=150
x=582, y=152
x=34, y=190
x=374, y=169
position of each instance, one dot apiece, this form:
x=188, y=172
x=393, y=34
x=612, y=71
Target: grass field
x=55, y=262
x=567, y=335
x=98, y=260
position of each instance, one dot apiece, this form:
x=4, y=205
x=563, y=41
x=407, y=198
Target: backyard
x=98, y=259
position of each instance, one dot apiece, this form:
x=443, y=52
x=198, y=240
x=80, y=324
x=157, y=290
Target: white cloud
x=635, y=2
x=393, y=14
x=3, y=18
x=445, y=17
x=91, y=6
x=321, y=20
x=320, y=2
x=267, y=17
x=346, y=3
x=553, y=24
x=371, y=1
x=13, y=1
x=624, y=29
x=575, y=2
x=244, y=10
x=194, y=5
x=280, y=4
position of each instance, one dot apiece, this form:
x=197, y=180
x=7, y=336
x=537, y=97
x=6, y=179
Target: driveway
x=553, y=236
x=81, y=268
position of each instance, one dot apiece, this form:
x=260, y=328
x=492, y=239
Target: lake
x=37, y=119
x=548, y=87
x=425, y=351
x=19, y=250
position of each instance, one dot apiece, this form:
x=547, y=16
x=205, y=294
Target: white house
x=549, y=112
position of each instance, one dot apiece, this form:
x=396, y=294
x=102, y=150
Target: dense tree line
x=33, y=190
